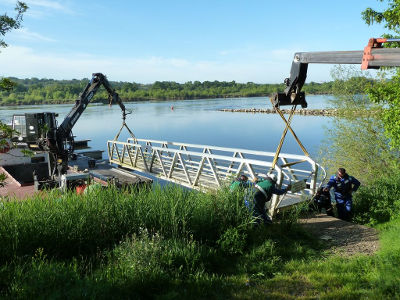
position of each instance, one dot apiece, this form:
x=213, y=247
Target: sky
x=159, y=40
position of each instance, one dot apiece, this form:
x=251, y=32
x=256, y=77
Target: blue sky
x=145, y=41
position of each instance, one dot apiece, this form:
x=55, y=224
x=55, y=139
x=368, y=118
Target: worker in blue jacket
x=343, y=185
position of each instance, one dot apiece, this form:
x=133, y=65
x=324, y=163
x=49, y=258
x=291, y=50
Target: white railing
x=205, y=167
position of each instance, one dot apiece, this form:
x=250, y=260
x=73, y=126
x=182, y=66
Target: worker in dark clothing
x=322, y=200
x=241, y=182
x=263, y=190
x=343, y=185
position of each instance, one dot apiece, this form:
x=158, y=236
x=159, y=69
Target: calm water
x=193, y=121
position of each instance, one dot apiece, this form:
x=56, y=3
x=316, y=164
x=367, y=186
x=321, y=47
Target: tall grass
x=147, y=265
x=127, y=245
x=172, y=243
x=71, y=225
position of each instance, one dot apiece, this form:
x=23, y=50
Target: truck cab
x=31, y=127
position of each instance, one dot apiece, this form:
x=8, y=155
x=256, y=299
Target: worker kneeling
x=344, y=185
x=263, y=190
x=322, y=200
x=243, y=185
x=240, y=183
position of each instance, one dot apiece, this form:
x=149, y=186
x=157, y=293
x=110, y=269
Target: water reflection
x=193, y=121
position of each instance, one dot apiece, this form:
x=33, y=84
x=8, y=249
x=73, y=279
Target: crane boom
x=85, y=97
x=372, y=57
x=57, y=143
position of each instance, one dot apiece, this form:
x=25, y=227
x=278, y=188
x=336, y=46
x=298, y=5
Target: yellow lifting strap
x=287, y=127
x=126, y=126
x=293, y=163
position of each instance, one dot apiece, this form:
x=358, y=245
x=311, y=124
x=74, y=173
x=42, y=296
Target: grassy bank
x=174, y=243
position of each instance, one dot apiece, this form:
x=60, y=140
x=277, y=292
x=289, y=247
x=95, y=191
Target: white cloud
x=41, y=4
x=24, y=62
x=41, y=8
x=8, y=2
x=26, y=34
x=47, y=4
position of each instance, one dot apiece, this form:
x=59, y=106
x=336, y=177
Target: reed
x=68, y=225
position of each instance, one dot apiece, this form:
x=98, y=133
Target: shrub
x=232, y=241
x=379, y=201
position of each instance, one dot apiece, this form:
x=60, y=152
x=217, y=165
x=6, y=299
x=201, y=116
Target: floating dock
x=19, y=183
x=81, y=144
x=102, y=171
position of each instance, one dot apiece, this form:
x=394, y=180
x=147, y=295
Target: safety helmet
x=273, y=177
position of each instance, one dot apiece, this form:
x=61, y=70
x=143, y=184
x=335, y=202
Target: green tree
x=387, y=91
x=389, y=17
x=7, y=24
x=356, y=138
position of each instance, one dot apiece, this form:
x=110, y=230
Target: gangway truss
x=204, y=167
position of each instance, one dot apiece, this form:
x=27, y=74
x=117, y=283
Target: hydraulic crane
x=374, y=56
x=40, y=131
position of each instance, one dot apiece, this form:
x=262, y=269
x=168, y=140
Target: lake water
x=193, y=121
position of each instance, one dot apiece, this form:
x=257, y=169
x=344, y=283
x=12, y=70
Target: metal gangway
x=204, y=167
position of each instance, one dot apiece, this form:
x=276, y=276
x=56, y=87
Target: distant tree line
x=48, y=91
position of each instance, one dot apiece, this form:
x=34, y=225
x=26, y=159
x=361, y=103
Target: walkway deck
x=204, y=167
x=104, y=172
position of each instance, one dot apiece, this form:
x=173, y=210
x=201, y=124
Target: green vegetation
x=386, y=91
x=357, y=141
x=41, y=91
x=174, y=243
x=70, y=225
x=378, y=202
x=389, y=16
x=367, y=144
x=362, y=277
x=6, y=25
x=109, y=243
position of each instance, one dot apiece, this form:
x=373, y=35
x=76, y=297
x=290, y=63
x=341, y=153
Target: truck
x=53, y=145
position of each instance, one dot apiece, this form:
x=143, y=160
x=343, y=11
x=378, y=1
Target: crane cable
x=287, y=127
x=119, y=132
x=126, y=126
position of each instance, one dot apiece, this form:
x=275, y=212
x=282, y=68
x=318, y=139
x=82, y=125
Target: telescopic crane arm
x=85, y=97
x=373, y=57
x=64, y=131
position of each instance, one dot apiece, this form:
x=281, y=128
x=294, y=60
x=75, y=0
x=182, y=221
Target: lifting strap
x=287, y=127
x=126, y=126
x=293, y=163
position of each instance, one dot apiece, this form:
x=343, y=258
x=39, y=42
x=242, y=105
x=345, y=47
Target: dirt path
x=343, y=238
